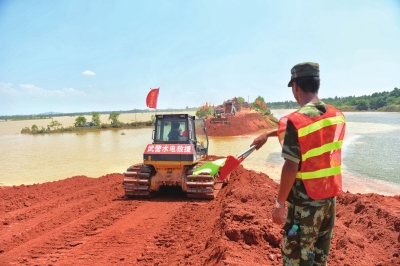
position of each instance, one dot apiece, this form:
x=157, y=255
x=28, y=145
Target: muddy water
x=29, y=159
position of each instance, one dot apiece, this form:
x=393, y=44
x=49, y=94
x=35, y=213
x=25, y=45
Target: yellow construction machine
x=180, y=145
x=218, y=117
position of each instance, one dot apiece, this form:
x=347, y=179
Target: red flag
x=151, y=99
x=258, y=102
x=264, y=106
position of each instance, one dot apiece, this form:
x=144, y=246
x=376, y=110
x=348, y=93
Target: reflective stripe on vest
x=320, y=124
x=320, y=173
x=320, y=150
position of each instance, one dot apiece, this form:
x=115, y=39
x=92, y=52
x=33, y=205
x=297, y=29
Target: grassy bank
x=73, y=129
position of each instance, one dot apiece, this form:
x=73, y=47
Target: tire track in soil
x=83, y=226
x=126, y=239
x=183, y=240
x=45, y=212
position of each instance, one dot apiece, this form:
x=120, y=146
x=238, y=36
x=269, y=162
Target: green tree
x=353, y=101
x=80, y=121
x=373, y=104
x=395, y=93
x=260, y=104
x=34, y=128
x=240, y=100
x=261, y=99
x=96, y=118
x=381, y=102
x=114, y=117
x=391, y=100
x=25, y=130
x=362, y=105
x=204, y=112
x=55, y=124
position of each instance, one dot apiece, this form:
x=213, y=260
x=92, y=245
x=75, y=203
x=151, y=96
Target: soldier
x=311, y=140
x=175, y=132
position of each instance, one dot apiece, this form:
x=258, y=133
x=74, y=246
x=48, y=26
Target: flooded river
x=371, y=151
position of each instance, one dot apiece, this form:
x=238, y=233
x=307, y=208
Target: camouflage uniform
x=315, y=218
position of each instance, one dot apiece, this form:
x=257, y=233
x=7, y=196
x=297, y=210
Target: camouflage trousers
x=313, y=240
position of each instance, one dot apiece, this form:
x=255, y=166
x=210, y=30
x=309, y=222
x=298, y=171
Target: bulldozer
x=218, y=118
x=179, y=147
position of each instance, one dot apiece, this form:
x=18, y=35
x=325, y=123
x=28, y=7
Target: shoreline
x=87, y=129
x=343, y=109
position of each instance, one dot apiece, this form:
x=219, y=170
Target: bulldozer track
x=137, y=181
x=202, y=186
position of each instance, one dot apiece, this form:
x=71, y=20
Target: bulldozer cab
x=217, y=113
x=181, y=129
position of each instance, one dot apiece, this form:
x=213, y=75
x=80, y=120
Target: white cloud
x=32, y=90
x=89, y=73
x=72, y=91
x=7, y=88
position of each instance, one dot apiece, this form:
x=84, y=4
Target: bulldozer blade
x=219, y=120
x=230, y=164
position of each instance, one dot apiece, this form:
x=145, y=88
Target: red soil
x=88, y=221
x=240, y=124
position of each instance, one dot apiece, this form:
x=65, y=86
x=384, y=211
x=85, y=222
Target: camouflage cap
x=306, y=69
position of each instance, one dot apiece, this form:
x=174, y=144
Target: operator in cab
x=175, y=132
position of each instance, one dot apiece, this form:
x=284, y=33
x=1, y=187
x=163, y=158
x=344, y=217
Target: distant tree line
x=81, y=123
x=50, y=115
x=382, y=101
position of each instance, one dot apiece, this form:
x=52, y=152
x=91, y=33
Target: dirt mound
x=241, y=123
x=367, y=230
x=88, y=221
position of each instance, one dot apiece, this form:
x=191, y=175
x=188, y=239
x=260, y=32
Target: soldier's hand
x=260, y=140
x=278, y=215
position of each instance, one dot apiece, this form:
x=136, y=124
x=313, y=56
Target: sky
x=83, y=56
